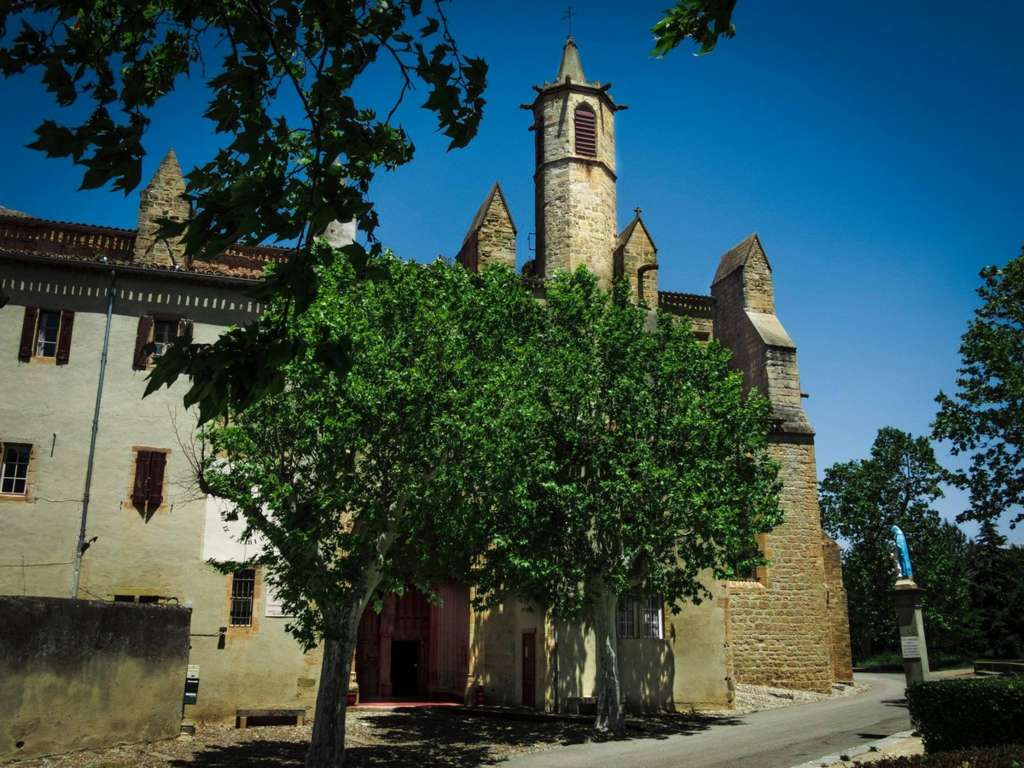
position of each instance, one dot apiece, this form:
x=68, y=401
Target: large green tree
x=860, y=502
x=997, y=590
x=353, y=483
x=641, y=466
x=984, y=418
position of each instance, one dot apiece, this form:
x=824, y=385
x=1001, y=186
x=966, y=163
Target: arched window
x=585, y=124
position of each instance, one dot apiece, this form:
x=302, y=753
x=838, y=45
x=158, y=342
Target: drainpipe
x=80, y=549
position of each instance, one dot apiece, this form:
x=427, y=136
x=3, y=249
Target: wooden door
x=530, y=668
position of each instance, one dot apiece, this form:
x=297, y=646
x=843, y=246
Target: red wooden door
x=530, y=668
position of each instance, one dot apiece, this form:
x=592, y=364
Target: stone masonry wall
x=639, y=251
x=839, y=621
x=162, y=198
x=496, y=238
x=577, y=214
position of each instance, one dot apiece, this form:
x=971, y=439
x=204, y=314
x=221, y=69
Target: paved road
x=777, y=738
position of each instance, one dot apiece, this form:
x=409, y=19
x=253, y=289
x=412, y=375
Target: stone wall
x=79, y=674
x=162, y=198
x=839, y=620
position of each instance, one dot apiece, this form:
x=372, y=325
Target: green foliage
x=352, y=482
x=276, y=176
x=639, y=458
x=860, y=501
x=985, y=417
x=962, y=713
x=703, y=21
x=1007, y=756
x=892, y=661
x=997, y=592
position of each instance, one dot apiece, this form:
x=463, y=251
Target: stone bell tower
x=574, y=130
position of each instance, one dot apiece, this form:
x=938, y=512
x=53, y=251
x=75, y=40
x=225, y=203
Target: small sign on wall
x=911, y=647
x=192, y=684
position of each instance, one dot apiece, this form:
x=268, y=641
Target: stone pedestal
x=914, y=649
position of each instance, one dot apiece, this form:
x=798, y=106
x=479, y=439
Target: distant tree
x=860, y=501
x=997, y=586
x=298, y=148
x=353, y=484
x=642, y=467
x=985, y=417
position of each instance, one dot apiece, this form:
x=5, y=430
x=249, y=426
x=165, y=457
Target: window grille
x=585, y=123
x=627, y=625
x=14, y=471
x=640, y=616
x=650, y=616
x=243, y=587
x=164, y=334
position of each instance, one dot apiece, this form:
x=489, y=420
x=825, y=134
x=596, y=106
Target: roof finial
x=637, y=211
x=567, y=16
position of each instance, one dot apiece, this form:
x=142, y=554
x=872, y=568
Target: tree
x=642, y=467
x=298, y=149
x=352, y=483
x=860, y=502
x=702, y=21
x=997, y=587
x=985, y=416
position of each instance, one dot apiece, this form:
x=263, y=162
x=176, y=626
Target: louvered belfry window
x=585, y=122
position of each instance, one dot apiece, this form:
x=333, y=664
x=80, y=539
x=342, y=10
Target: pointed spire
x=570, y=66
x=169, y=171
x=162, y=198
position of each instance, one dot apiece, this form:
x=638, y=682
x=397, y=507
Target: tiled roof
x=70, y=241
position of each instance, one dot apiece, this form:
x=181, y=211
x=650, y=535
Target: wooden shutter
x=157, y=462
x=28, y=334
x=67, y=322
x=142, y=338
x=140, y=490
x=585, y=124
x=185, y=330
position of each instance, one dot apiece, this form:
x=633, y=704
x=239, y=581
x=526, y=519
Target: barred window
x=46, y=333
x=164, y=334
x=14, y=470
x=640, y=616
x=243, y=587
x=585, y=125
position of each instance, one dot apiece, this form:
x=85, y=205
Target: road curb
x=879, y=746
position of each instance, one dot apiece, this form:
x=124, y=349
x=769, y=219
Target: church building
x=80, y=444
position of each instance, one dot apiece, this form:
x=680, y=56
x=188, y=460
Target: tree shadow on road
x=425, y=737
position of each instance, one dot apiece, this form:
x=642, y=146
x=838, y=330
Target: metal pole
x=80, y=548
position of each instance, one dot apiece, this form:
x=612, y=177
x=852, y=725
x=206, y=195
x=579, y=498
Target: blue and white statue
x=902, y=555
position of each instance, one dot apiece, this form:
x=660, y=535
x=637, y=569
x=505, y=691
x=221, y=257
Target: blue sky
x=876, y=147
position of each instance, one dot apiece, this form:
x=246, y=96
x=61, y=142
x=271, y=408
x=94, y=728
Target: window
x=243, y=587
x=14, y=472
x=640, y=616
x=46, y=334
x=585, y=124
x=47, y=331
x=143, y=599
x=148, y=487
x=164, y=334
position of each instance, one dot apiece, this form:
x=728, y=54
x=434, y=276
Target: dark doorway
x=405, y=667
x=530, y=669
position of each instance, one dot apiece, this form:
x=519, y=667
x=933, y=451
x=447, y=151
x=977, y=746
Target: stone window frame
x=27, y=495
x=165, y=503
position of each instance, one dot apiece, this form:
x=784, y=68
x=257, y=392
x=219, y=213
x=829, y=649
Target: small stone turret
x=574, y=130
x=162, y=198
x=491, y=238
x=636, y=259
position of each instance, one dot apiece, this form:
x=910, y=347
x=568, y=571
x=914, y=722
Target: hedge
x=968, y=712
x=1005, y=756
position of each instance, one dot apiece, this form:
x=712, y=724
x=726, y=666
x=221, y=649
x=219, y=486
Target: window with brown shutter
x=67, y=323
x=143, y=336
x=148, y=488
x=585, y=126
x=28, y=334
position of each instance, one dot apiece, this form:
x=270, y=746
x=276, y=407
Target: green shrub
x=1005, y=756
x=968, y=712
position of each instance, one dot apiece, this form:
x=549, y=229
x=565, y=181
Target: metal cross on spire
x=567, y=16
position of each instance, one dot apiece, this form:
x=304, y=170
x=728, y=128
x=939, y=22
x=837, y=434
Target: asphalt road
x=777, y=738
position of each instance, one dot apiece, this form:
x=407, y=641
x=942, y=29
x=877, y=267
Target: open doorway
x=405, y=668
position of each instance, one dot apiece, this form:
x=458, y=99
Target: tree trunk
x=327, y=745
x=609, y=699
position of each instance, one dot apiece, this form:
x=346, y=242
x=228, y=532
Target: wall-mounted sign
x=911, y=647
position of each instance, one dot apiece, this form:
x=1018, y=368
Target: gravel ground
x=381, y=738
